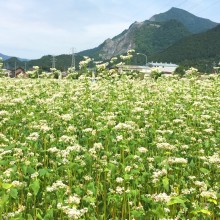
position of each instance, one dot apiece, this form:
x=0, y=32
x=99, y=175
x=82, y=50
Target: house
x=15, y=73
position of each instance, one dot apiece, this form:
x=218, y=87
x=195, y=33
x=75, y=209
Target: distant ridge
x=193, y=23
x=148, y=36
x=173, y=36
x=6, y=57
x=200, y=46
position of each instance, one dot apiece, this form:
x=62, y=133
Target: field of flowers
x=110, y=149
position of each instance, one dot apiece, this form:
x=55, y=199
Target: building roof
x=156, y=64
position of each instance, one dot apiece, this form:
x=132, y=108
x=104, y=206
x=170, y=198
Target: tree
x=2, y=71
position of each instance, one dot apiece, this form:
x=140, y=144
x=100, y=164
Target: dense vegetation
x=197, y=50
x=154, y=37
x=118, y=149
x=62, y=62
x=166, y=33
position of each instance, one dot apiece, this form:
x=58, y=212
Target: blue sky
x=33, y=28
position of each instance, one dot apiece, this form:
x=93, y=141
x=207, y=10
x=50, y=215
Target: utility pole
x=53, y=60
x=25, y=67
x=15, y=68
x=144, y=56
x=73, y=63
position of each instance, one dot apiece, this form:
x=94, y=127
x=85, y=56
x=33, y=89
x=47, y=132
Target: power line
x=15, y=68
x=73, y=63
x=53, y=60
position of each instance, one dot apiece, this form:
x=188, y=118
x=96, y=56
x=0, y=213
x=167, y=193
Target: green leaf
x=205, y=171
x=6, y=185
x=43, y=172
x=39, y=214
x=3, y=162
x=175, y=200
x=166, y=183
x=35, y=186
x=13, y=193
x=29, y=217
x=30, y=170
x=213, y=201
x=24, y=169
x=91, y=187
x=192, y=164
x=49, y=214
x=204, y=211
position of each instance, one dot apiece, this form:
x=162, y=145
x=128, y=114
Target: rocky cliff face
x=152, y=36
x=119, y=44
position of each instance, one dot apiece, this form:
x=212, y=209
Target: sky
x=34, y=28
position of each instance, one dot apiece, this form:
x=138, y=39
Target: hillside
x=199, y=46
x=153, y=35
x=200, y=50
x=13, y=62
x=148, y=37
x=4, y=57
x=193, y=23
x=169, y=36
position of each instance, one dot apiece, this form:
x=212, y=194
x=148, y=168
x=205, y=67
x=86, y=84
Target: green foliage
x=180, y=71
x=199, y=50
x=155, y=73
x=2, y=72
x=116, y=147
x=154, y=37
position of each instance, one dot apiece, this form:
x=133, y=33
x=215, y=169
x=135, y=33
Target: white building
x=167, y=68
x=164, y=67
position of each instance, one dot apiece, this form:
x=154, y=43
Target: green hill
x=154, y=37
x=203, y=48
x=63, y=62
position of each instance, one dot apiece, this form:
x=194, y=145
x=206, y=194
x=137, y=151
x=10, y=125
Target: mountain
x=169, y=36
x=147, y=37
x=62, y=62
x=153, y=35
x=13, y=62
x=4, y=57
x=198, y=48
x=193, y=23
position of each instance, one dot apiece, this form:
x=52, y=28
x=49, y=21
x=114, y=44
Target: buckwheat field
x=111, y=149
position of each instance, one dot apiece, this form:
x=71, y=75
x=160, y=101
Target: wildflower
x=119, y=190
x=209, y=194
x=75, y=199
x=165, y=146
x=175, y=160
x=127, y=168
x=161, y=197
x=33, y=136
x=119, y=180
x=142, y=150
x=34, y=175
